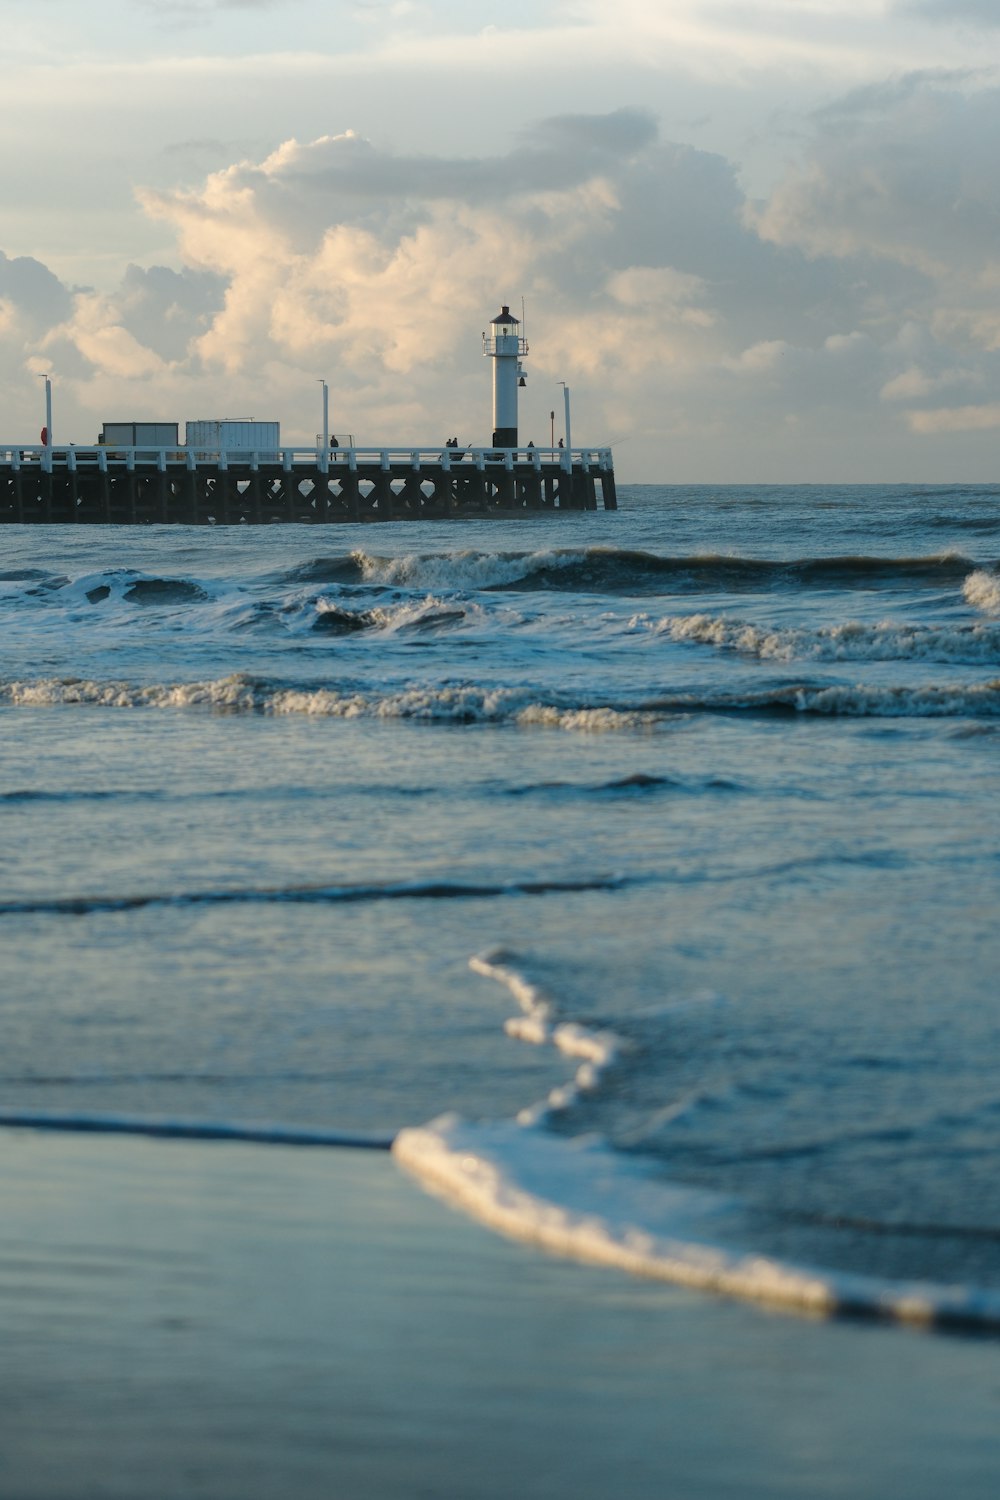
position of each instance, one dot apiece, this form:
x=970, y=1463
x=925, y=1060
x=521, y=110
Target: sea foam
x=982, y=591
x=597, y=1050
x=852, y=641
x=582, y=1199
x=478, y=703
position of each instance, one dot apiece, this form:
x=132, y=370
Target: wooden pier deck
x=144, y=486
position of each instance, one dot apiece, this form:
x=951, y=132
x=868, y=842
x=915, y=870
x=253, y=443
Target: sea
x=632, y=874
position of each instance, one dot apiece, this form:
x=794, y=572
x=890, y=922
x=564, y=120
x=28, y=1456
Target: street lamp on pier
x=326, y=414
x=47, y=432
x=569, y=435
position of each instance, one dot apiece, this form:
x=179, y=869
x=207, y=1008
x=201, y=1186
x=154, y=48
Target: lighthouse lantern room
x=505, y=346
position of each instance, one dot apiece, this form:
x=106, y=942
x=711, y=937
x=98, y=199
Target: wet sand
x=188, y=1319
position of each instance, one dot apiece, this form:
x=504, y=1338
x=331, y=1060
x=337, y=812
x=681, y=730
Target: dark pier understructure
x=142, y=486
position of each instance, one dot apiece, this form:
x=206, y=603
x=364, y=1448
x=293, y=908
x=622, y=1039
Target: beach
x=216, y=1320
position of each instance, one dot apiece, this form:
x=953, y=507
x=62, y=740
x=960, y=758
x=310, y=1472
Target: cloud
x=342, y=178
x=334, y=243
x=957, y=419
x=951, y=12
x=336, y=256
x=195, y=9
x=906, y=174
x=165, y=310
x=839, y=322
x=32, y=292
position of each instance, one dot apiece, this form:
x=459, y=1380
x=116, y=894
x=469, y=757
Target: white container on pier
x=234, y=435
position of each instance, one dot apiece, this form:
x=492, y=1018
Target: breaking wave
x=622, y=571
x=165, y=591
x=580, y=1198
x=461, y=703
x=982, y=591
x=474, y=703
x=968, y=645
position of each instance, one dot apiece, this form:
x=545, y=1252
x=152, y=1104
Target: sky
x=758, y=239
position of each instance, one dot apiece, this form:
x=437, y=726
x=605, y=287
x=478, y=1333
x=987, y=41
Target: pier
x=178, y=486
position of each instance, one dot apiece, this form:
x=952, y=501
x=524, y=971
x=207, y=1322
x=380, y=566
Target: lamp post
x=569, y=435
x=48, y=409
x=326, y=415
x=552, y=429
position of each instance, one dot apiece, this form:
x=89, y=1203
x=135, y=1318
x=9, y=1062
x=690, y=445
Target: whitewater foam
x=582, y=1200
x=852, y=641
x=474, y=703
x=455, y=703
x=598, y=1050
x=982, y=591
x=459, y=570
x=617, y=570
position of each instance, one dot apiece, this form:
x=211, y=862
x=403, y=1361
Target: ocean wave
x=120, y=590
x=342, y=568
x=165, y=591
x=188, y=1130
x=474, y=703
x=85, y=794
x=424, y=615
x=451, y=703
x=626, y=571
x=968, y=645
x=980, y=525
x=331, y=619
x=982, y=590
x=637, y=784
x=404, y=890
x=461, y=571
x=928, y=702
x=454, y=571
x=104, y=590
x=581, y=1199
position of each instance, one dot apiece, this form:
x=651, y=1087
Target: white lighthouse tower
x=505, y=346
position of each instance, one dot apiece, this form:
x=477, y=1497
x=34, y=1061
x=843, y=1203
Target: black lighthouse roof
x=505, y=316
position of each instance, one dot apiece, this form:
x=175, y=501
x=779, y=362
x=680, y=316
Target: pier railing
x=75, y=456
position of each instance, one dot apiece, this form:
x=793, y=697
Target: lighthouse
x=505, y=346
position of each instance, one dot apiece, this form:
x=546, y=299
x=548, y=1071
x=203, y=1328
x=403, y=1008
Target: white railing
x=113, y=456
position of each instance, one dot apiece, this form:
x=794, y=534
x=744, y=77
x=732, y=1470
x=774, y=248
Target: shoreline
x=209, y=1319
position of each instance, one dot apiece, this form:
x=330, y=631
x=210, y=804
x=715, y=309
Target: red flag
x=45, y=437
